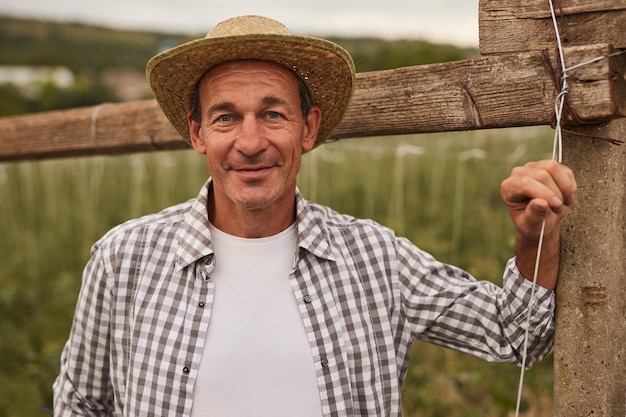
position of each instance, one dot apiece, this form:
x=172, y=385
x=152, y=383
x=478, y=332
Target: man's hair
x=305, y=101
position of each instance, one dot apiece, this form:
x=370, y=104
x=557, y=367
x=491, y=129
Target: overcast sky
x=451, y=21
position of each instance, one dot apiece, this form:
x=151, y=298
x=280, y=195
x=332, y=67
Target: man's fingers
x=538, y=191
x=547, y=180
x=561, y=181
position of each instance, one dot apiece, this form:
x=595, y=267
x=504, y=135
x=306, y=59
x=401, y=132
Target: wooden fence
x=514, y=84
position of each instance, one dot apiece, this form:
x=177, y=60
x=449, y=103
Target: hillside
x=81, y=47
x=109, y=64
x=77, y=46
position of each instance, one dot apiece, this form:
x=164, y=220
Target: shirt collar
x=194, y=237
x=312, y=236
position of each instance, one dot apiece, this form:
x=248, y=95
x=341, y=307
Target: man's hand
x=533, y=193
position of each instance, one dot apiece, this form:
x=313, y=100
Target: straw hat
x=325, y=67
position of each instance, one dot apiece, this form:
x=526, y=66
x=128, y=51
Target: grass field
x=439, y=190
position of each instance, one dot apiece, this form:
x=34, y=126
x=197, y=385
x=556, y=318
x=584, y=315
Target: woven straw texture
x=325, y=67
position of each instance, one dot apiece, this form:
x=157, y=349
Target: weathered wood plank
x=537, y=9
x=512, y=28
x=99, y=130
x=492, y=92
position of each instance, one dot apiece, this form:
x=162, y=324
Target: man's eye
x=225, y=118
x=272, y=115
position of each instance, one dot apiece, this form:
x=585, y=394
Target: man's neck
x=252, y=224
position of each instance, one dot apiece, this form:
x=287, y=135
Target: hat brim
x=325, y=67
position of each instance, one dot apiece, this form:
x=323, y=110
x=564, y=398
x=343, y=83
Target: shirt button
x=307, y=299
x=324, y=363
x=208, y=259
x=201, y=304
x=186, y=370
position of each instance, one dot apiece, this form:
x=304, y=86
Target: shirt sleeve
x=445, y=305
x=82, y=387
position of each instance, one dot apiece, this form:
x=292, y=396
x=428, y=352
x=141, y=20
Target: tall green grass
x=440, y=190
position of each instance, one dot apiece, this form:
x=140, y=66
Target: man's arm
x=83, y=385
x=533, y=193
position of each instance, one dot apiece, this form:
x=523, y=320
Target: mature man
x=250, y=300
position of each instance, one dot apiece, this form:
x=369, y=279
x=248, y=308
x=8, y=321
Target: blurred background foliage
x=439, y=190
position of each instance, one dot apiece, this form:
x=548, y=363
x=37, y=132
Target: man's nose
x=251, y=139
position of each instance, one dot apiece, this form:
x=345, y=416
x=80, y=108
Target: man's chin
x=258, y=200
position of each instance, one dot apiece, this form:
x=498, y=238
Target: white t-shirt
x=257, y=359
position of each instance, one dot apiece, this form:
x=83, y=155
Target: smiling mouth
x=253, y=171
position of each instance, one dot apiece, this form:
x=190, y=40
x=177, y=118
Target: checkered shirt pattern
x=364, y=296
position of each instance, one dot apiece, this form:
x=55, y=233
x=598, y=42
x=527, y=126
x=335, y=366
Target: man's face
x=253, y=134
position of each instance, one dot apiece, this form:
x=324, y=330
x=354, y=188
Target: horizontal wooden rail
x=492, y=92
x=507, y=26
x=536, y=9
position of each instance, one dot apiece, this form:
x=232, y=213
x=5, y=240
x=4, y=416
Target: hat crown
x=248, y=25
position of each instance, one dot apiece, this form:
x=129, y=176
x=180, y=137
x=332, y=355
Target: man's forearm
x=526, y=255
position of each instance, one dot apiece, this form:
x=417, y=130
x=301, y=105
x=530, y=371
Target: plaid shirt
x=364, y=296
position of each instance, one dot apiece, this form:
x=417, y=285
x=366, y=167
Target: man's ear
x=313, y=121
x=195, y=134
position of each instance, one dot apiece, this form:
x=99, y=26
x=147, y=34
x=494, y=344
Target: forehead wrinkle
x=227, y=105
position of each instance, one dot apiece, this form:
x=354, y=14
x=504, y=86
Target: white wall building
x=32, y=78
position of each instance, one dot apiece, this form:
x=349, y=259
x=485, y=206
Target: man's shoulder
x=335, y=221
x=166, y=219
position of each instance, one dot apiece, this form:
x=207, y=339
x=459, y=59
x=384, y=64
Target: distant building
x=32, y=78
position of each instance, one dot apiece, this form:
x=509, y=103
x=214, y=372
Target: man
x=249, y=300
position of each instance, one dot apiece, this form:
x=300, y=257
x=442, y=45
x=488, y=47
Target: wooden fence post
x=590, y=345
x=590, y=351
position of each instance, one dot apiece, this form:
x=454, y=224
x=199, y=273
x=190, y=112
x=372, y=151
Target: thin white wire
x=556, y=154
x=596, y=59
